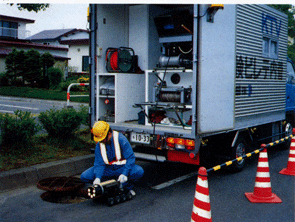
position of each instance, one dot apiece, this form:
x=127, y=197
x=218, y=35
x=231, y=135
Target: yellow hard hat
x=100, y=130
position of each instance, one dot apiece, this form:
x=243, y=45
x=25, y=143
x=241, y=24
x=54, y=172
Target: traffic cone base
x=262, y=189
x=258, y=199
x=287, y=171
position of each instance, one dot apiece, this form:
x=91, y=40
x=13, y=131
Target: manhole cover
x=63, y=190
x=60, y=184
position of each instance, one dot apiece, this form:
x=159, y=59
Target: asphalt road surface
x=172, y=202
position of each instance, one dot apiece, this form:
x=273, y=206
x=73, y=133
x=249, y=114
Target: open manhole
x=63, y=190
x=63, y=197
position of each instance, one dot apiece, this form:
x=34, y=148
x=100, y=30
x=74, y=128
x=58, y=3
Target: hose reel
x=120, y=60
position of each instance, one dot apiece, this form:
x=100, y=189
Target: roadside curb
x=27, y=176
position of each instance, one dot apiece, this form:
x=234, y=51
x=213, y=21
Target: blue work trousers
x=135, y=174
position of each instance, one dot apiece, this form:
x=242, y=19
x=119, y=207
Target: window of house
x=270, y=48
x=5, y=29
x=8, y=29
x=85, y=63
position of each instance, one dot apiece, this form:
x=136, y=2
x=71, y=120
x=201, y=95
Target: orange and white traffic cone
x=290, y=170
x=262, y=189
x=202, y=208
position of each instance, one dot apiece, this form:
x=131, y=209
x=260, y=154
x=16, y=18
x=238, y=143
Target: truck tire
x=288, y=132
x=239, y=149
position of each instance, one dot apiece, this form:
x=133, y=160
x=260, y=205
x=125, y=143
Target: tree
x=28, y=65
x=290, y=11
x=20, y=64
x=291, y=52
x=10, y=65
x=15, y=63
x=54, y=77
x=47, y=61
x=33, y=66
x=32, y=7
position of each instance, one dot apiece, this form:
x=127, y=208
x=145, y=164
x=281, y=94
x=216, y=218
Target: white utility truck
x=188, y=82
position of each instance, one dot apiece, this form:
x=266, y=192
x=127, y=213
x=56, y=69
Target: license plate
x=140, y=138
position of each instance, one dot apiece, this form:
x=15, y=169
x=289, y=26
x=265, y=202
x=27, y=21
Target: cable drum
x=172, y=61
x=170, y=97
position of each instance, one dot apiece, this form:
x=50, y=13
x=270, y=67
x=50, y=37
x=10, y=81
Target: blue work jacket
x=126, y=152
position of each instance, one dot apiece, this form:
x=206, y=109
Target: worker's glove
x=122, y=178
x=96, y=181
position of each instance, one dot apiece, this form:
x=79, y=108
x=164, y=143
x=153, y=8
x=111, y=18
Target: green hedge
x=17, y=131
x=62, y=123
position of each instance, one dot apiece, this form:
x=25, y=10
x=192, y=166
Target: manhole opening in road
x=63, y=190
x=64, y=197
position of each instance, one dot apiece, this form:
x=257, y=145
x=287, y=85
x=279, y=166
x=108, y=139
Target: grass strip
x=36, y=93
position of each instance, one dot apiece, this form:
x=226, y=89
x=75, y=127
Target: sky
x=57, y=16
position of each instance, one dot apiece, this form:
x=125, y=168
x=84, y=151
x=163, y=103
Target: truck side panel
x=260, y=65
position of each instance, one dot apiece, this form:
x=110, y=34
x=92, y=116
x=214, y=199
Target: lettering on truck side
x=246, y=66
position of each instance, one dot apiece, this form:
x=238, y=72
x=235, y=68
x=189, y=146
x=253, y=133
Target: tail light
x=190, y=144
x=179, y=143
x=170, y=142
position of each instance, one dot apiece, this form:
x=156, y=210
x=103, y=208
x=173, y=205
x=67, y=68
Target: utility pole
x=92, y=62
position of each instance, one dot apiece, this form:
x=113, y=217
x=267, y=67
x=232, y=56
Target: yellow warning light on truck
x=217, y=6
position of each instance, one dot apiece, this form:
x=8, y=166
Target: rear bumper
x=151, y=154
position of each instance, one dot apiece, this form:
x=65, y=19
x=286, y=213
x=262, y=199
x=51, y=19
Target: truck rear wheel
x=288, y=132
x=238, y=150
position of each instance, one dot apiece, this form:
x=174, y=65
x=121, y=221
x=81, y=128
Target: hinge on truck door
x=194, y=118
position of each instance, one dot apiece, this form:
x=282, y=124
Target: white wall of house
x=76, y=53
x=76, y=35
x=50, y=43
x=22, y=31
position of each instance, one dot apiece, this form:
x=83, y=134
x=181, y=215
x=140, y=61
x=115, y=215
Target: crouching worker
x=114, y=158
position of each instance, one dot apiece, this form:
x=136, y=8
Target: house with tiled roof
x=76, y=40
x=49, y=37
x=70, y=45
x=13, y=34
